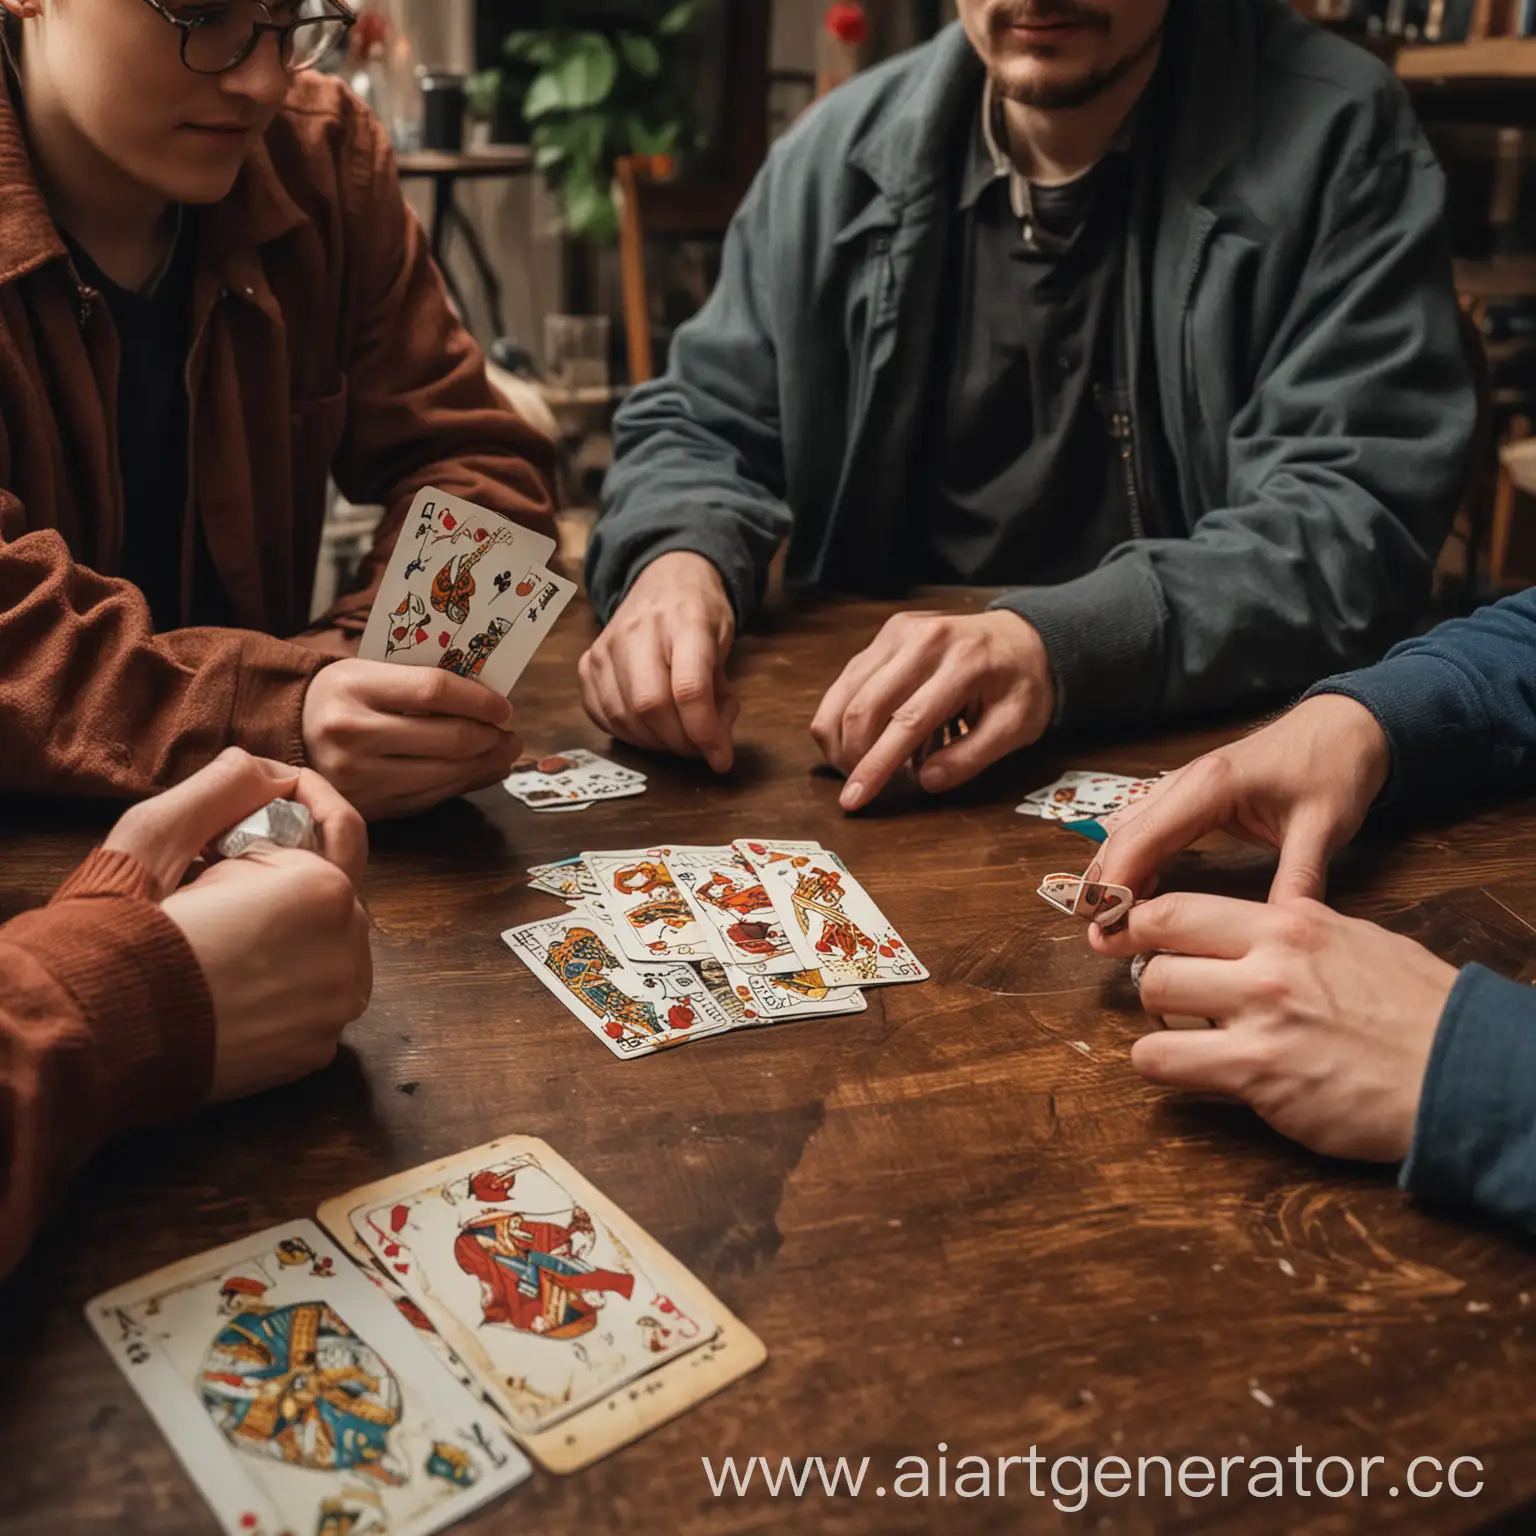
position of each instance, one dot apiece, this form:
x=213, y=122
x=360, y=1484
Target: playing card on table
x=753, y=999
x=633, y=1010
x=539, y=1284
x=499, y=1243
x=1082, y=793
x=457, y=590
x=568, y=879
x=651, y=918
x=298, y=1398
x=833, y=922
x=727, y=896
x=573, y=777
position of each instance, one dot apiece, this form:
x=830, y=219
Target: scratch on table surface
x=1505, y=905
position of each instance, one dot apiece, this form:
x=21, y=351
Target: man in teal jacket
x=1137, y=309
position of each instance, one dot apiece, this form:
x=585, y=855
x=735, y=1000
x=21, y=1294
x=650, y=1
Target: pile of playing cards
x=571, y=781
x=467, y=591
x=380, y=1384
x=1084, y=793
x=665, y=945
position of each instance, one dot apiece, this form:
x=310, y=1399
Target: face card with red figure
x=545, y=1290
x=727, y=896
x=504, y=1198
x=833, y=922
x=651, y=917
x=298, y=1398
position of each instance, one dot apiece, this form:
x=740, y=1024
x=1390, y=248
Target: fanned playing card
x=526, y=624
x=1091, y=900
x=456, y=570
x=727, y=896
x=753, y=999
x=298, y=1398
x=832, y=921
x=1084, y=792
x=634, y=1010
x=565, y=1301
x=651, y=918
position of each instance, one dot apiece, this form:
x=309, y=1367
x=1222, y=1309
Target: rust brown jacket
x=106, y=1024
x=324, y=344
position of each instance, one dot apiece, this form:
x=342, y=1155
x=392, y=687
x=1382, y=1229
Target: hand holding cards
x=466, y=591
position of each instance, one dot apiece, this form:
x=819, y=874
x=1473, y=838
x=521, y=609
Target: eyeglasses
x=220, y=35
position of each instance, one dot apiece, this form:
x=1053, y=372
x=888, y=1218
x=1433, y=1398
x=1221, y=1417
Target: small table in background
x=445, y=170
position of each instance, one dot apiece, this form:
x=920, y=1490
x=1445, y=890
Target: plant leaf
x=545, y=95
x=586, y=71
x=539, y=48
x=589, y=210
x=680, y=18
x=641, y=54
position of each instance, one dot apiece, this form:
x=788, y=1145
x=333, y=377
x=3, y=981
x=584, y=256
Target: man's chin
x=1048, y=85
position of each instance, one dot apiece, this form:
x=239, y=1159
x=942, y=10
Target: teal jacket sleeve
x=698, y=456
x=1475, y=1142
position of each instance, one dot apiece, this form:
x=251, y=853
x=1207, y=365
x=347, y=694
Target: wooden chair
x=655, y=203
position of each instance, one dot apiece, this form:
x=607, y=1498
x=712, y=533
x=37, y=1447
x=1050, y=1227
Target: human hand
x=166, y=833
x=397, y=740
x=921, y=671
x=1302, y=785
x=655, y=677
x=1325, y=1022
x=279, y=935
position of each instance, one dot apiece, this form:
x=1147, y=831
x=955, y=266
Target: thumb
x=1304, y=856
x=166, y=833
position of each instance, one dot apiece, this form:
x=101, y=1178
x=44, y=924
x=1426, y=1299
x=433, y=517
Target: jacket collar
x=28, y=236
x=258, y=209
x=1212, y=59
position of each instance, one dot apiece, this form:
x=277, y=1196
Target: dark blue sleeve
x=1475, y=1143
x=1458, y=705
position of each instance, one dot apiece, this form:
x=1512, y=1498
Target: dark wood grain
x=959, y=1217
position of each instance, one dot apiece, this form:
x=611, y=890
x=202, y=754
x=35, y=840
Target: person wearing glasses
x=213, y=297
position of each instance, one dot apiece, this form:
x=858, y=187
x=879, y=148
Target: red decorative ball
x=848, y=22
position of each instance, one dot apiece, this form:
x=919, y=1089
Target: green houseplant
x=611, y=80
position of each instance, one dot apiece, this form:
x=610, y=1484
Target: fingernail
x=851, y=796
x=1093, y=872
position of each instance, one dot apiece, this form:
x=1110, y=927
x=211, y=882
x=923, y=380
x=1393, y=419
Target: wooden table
x=957, y=1218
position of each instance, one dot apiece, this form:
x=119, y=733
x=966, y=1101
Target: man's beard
x=1064, y=95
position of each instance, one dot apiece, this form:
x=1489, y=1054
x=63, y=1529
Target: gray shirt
x=1024, y=480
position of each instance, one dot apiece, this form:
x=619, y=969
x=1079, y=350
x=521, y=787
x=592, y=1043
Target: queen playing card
x=298, y=1398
